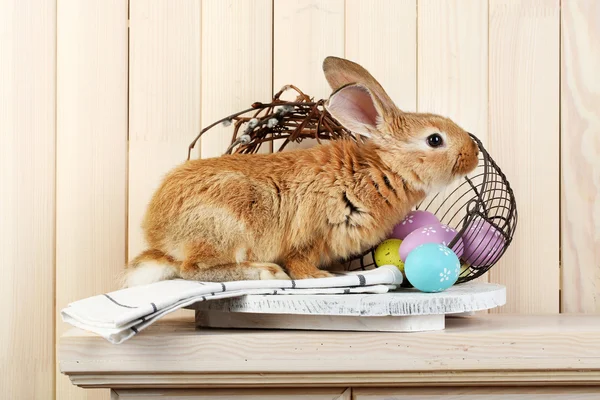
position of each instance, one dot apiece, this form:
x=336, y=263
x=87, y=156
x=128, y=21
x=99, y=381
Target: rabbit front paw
x=268, y=271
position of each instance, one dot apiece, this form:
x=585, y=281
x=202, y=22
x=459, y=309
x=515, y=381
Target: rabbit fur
x=293, y=214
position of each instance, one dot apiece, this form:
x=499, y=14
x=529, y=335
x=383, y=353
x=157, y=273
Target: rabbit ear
x=356, y=109
x=340, y=72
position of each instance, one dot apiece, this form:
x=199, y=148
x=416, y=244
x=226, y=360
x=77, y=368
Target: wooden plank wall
x=245, y=35
x=27, y=198
x=91, y=165
x=580, y=150
x=164, y=97
x=524, y=139
x=100, y=99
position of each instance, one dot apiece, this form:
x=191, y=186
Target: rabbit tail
x=149, y=267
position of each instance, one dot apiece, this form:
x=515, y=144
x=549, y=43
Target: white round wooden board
x=401, y=310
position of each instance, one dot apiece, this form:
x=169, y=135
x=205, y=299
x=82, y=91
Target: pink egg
x=483, y=243
x=413, y=220
x=436, y=233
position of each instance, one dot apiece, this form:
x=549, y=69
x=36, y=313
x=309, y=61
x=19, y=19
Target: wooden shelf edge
x=227, y=381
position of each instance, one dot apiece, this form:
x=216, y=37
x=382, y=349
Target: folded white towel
x=119, y=315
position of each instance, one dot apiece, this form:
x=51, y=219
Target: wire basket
x=481, y=200
x=481, y=207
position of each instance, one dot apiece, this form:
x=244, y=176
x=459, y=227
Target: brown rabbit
x=240, y=217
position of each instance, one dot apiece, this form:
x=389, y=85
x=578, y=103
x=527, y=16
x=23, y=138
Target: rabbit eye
x=435, y=140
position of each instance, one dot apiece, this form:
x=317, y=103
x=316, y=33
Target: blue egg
x=432, y=267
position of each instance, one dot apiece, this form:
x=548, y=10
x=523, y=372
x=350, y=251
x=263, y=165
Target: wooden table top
x=479, y=350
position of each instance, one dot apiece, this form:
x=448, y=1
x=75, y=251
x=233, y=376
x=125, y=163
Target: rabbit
x=289, y=215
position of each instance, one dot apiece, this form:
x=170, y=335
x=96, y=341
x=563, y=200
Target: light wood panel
x=92, y=157
x=580, y=148
x=490, y=393
x=236, y=64
x=304, y=33
x=452, y=66
x=524, y=140
x=27, y=200
x=381, y=35
x=164, y=97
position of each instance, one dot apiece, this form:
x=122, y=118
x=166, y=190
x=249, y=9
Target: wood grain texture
x=27, y=184
x=381, y=35
x=580, y=149
x=490, y=393
x=452, y=66
x=524, y=140
x=478, y=351
x=92, y=157
x=164, y=97
x=301, y=393
x=304, y=33
x=236, y=64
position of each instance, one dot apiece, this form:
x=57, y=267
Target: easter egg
x=436, y=233
x=483, y=243
x=387, y=254
x=413, y=220
x=464, y=270
x=432, y=267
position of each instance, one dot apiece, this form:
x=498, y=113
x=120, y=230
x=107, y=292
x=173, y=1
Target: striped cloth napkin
x=119, y=315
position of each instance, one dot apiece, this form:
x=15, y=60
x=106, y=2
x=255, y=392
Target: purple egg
x=483, y=243
x=413, y=220
x=436, y=233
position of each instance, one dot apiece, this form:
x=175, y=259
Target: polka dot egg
x=432, y=267
x=387, y=253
